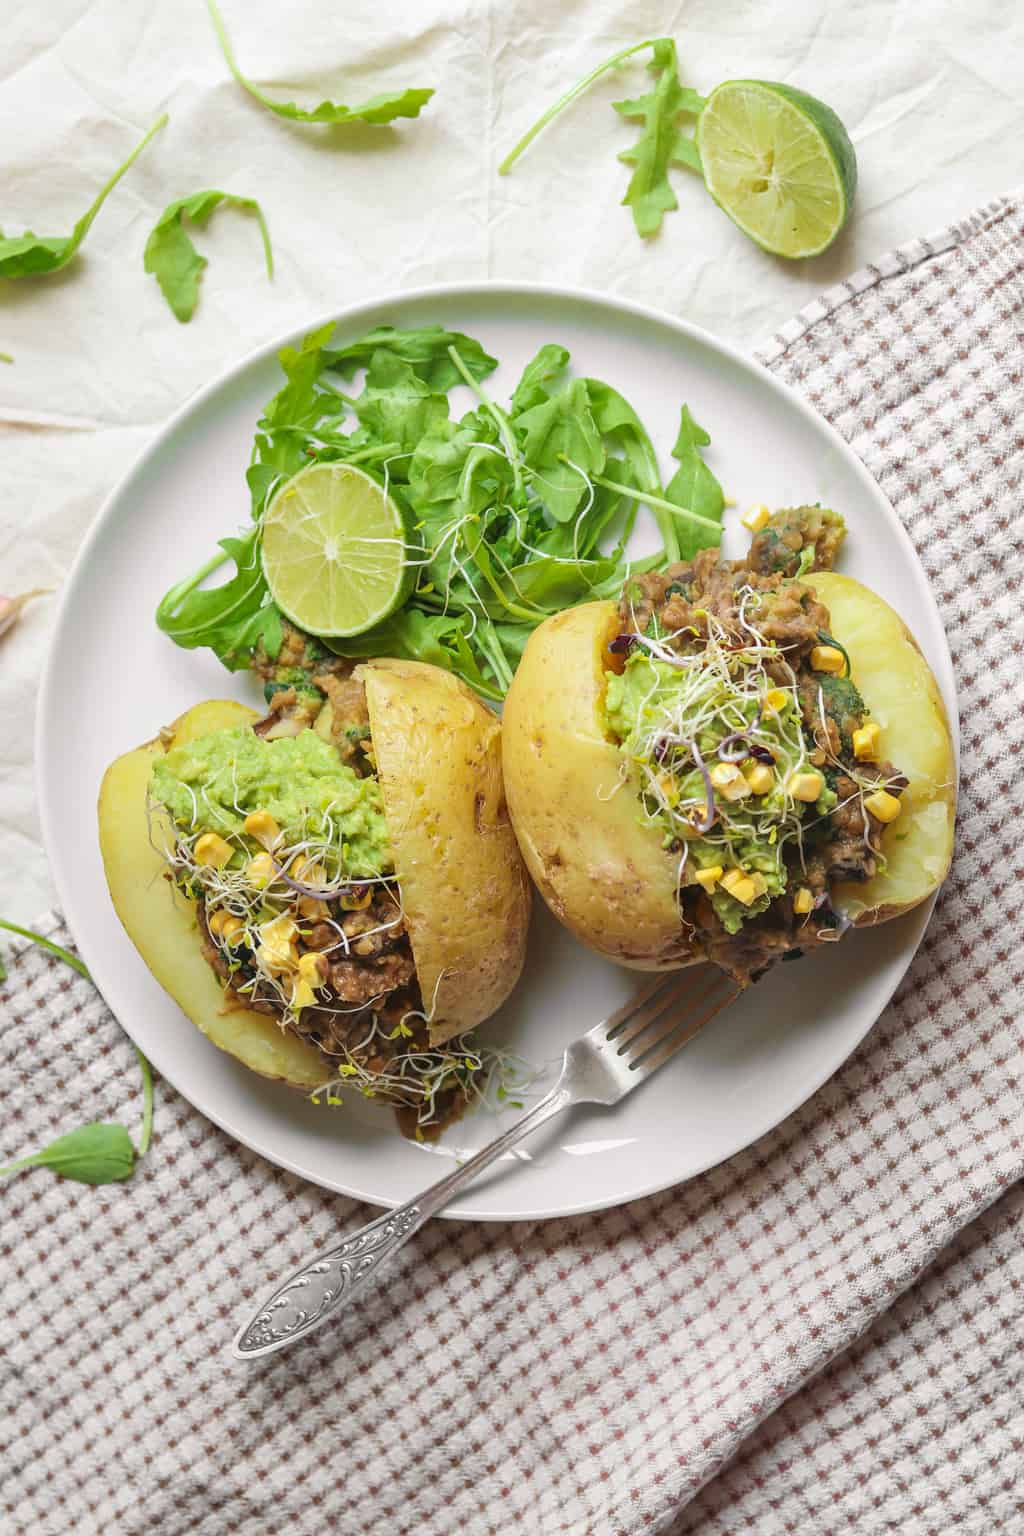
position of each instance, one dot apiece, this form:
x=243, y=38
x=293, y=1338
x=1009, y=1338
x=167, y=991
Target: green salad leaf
x=661, y=143
x=100, y=1153
x=231, y=619
x=172, y=258
x=694, y=486
x=516, y=511
x=383, y=108
x=30, y=255
x=92, y=1154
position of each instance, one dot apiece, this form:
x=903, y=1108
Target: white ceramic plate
x=113, y=680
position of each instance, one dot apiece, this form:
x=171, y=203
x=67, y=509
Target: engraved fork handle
x=329, y=1282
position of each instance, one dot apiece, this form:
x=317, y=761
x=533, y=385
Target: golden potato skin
x=162, y=925
x=605, y=875
x=901, y=694
x=601, y=871
x=465, y=893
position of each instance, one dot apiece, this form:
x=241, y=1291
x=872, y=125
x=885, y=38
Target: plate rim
x=474, y=290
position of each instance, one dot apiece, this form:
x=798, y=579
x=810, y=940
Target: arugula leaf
x=383, y=108
x=172, y=258
x=232, y=618
x=30, y=255
x=396, y=405
x=92, y=1154
x=427, y=350
x=662, y=142
x=538, y=375
x=694, y=486
x=563, y=447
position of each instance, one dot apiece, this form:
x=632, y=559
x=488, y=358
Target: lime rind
x=779, y=163
x=335, y=550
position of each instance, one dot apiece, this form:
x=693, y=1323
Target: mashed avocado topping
x=713, y=720
x=212, y=784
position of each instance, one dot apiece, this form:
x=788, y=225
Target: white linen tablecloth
x=820, y=1335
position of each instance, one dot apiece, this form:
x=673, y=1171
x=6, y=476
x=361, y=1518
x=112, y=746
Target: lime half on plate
x=779, y=163
x=335, y=551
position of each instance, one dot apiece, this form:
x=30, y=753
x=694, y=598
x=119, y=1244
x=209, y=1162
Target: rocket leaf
x=172, y=258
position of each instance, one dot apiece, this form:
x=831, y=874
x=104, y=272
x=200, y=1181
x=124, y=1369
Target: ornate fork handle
x=319, y=1288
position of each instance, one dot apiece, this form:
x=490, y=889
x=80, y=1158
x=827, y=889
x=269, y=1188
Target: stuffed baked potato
x=736, y=763
x=349, y=892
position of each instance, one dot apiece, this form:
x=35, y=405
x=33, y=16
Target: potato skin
x=901, y=693
x=465, y=893
x=604, y=873
x=601, y=871
x=464, y=889
x=162, y=924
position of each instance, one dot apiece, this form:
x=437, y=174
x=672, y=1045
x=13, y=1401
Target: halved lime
x=335, y=551
x=779, y=163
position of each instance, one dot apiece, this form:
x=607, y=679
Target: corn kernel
x=211, y=849
x=729, y=781
x=303, y=996
x=806, y=786
x=260, y=871
x=740, y=886
x=803, y=901
x=309, y=968
x=760, y=778
x=756, y=518
x=882, y=805
x=262, y=826
x=827, y=658
x=709, y=877
x=279, y=930
x=312, y=908
x=759, y=883
x=775, y=701
x=309, y=872
x=226, y=926
x=865, y=742
x=355, y=901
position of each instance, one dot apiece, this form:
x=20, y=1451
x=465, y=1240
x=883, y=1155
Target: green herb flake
x=383, y=108
x=30, y=255
x=171, y=256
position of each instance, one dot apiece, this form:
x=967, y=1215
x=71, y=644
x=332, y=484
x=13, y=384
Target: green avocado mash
x=648, y=708
x=214, y=782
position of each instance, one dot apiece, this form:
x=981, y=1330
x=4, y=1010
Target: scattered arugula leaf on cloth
x=101, y=1153
x=172, y=258
x=662, y=142
x=30, y=255
x=519, y=511
x=383, y=108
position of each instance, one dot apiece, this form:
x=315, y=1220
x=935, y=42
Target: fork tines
x=664, y=1015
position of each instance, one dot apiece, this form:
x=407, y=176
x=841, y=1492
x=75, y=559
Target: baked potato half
x=459, y=892
x=603, y=867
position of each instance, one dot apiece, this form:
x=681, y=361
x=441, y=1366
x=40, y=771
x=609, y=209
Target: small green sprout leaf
x=30, y=255
x=383, y=108
x=172, y=258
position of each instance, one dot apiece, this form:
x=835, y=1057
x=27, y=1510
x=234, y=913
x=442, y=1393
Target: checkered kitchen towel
x=821, y=1335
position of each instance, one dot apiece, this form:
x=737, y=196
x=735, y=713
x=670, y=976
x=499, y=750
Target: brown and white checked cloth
x=821, y=1335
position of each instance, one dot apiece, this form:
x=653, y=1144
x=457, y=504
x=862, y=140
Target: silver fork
x=601, y=1067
